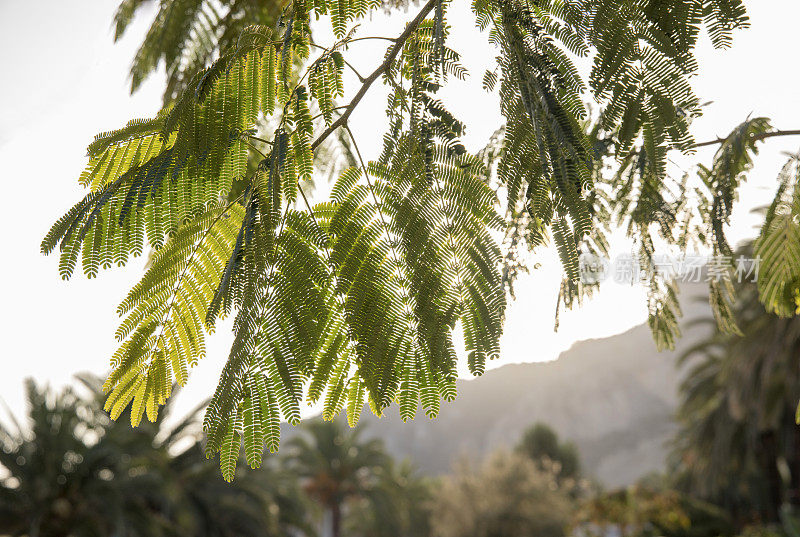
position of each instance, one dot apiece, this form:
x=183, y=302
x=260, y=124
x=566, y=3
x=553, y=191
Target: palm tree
x=400, y=506
x=260, y=502
x=192, y=495
x=75, y=472
x=337, y=466
x=58, y=482
x=737, y=414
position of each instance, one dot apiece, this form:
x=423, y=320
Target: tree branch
x=372, y=37
x=755, y=138
x=390, y=56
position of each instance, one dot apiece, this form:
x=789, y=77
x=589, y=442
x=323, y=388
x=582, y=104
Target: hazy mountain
x=613, y=397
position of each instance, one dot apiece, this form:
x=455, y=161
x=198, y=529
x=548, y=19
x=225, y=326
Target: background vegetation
x=354, y=301
x=69, y=470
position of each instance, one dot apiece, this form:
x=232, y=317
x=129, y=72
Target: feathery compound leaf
x=149, y=184
x=722, y=296
x=778, y=246
x=163, y=324
x=186, y=36
x=355, y=300
x=231, y=448
x=732, y=161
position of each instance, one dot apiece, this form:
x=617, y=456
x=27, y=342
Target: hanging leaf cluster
x=358, y=299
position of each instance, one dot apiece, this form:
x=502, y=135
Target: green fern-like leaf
x=778, y=246
x=356, y=300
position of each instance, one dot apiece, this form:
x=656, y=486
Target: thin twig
x=392, y=39
x=332, y=109
x=755, y=137
x=347, y=63
x=355, y=71
x=390, y=56
x=257, y=150
x=389, y=238
x=316, y=224
x=259, y=139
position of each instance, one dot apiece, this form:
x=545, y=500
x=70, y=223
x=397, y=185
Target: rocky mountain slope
x=613, y=397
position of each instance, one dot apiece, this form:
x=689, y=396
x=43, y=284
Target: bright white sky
x=64, y=81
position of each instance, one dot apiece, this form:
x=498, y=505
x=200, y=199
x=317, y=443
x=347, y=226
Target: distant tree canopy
x=356, y=299
x=540, y=443
x=508, y=496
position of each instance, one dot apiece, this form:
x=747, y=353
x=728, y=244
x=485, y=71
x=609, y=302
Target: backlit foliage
x=186, y=35
x=356, y=299
x=779, y=245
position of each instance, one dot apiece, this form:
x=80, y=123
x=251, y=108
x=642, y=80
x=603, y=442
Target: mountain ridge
x=613, y=397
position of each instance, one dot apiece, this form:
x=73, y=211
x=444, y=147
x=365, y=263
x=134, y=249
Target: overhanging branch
x=390, y=56
x=755, y=137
